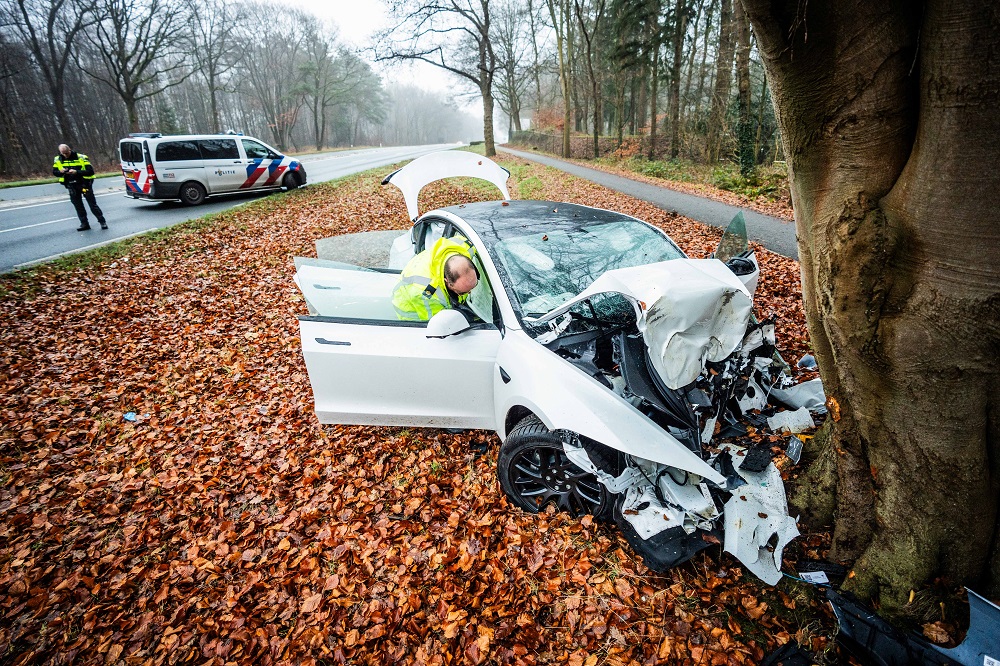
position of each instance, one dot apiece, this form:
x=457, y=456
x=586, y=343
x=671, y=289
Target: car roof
x=495, y=221
x=188, y=137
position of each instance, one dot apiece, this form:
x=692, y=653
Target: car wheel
x=291, y=180
x=534, y=471
x=192, y=193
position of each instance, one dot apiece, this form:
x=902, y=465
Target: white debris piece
x=757, y=523
x=808, y=394
x=792, y=422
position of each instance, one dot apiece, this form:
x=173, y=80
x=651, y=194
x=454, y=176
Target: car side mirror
x=446, y=323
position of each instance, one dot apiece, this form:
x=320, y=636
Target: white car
x=604, y=359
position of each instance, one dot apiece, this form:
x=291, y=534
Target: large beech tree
x=890, y=114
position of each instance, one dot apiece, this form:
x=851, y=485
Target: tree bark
x=654, y=81
x=588, y=45
x=744, y=131
x=889, y=123
x=680, y=28
x=723, y=79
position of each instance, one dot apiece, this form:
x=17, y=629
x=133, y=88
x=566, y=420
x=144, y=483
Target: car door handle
x=324, y=341
x=504, y=376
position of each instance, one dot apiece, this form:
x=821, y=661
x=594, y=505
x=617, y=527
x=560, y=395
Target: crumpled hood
x=689, y=311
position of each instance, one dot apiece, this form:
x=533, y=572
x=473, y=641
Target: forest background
x=621, y=78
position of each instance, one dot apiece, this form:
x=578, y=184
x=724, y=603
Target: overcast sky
x=357, y=21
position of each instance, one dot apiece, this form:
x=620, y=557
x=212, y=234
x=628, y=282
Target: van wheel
x=534, y=471
x=291, y=180
x=192, y=193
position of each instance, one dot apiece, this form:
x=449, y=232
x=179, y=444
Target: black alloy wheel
x=192, y=193
x=291, y=180
x=534, y=472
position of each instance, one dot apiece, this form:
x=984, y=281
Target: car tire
x=291, y=181
x=192, y=193
x=534, y=471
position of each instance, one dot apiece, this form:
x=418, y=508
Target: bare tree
x=455, y=35
x=53, y=31
x=744, y=131
x=511, y=44
x=680, y=29
x=588, y=44
x=141, y=45
x=559, y=12
x=214, y=25
x=273, y=78
x=723, y=81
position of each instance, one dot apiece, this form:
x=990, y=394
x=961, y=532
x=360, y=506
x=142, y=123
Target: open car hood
x=689, y=311
x=445, y=164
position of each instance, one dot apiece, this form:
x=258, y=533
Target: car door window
x=177, y=151
x=348, y=292
x=255, y=150
x=219, y=149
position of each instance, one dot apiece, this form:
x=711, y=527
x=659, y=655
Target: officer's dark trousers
x=77, y=194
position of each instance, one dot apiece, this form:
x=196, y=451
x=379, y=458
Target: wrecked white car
x=608, y=362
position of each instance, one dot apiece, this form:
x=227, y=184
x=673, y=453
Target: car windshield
x=545, y=269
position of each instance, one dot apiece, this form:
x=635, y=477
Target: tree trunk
x=889, y=121
x=723, y=79
x=560, y=21
x=655, y=79
x=744, y=131
x=487, y=93
x=133, y=114
x=686, y=97
x=704, y=59
x=680, y=27
x=59, y=101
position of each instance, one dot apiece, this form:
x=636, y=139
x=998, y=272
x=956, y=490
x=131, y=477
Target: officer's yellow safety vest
x=421, y=292
x=80, y=163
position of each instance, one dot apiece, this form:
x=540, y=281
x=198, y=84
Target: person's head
x=460, y=274
x=65, y=150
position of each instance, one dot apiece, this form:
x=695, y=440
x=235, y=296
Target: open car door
x=367, y=367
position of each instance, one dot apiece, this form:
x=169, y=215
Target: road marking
x=34, y=262
x=40, y=224
x=49, y=203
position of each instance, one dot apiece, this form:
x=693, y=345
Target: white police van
x=191, y=167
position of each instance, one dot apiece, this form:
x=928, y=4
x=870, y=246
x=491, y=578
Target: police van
x=190, y=168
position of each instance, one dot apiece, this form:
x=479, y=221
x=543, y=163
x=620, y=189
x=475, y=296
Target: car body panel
x=538, y=380
x=388, y=373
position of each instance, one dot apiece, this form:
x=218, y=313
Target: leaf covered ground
x=225, y=525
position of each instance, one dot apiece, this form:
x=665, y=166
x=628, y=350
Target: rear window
x=177, y=151
x=131, y=151
x=219, y=149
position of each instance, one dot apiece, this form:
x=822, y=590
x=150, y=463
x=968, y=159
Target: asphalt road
x=773, y=233
x=38, y=222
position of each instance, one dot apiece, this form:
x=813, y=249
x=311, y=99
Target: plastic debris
x=792, y=422
x=807, y=362
x=808, y=394
x=131, y=417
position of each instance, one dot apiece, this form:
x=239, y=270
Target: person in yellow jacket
x=76, y=173
x=438, y=278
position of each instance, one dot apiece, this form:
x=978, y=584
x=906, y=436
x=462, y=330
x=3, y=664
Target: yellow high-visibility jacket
x=421, y=292
x=85, y=170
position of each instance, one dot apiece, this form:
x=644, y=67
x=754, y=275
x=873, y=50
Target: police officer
x=75, y=171
x=436, y=279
